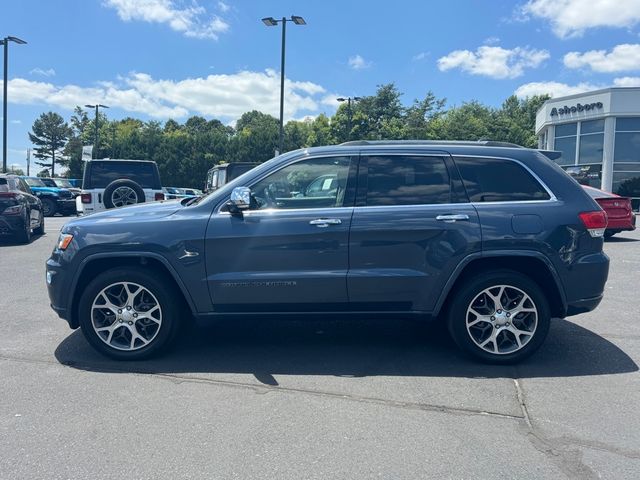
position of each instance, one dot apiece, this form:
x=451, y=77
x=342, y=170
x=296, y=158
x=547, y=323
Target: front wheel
x=49, y=207
x=500, y=317
x=129, y=314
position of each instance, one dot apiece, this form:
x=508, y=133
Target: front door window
x=311, y=183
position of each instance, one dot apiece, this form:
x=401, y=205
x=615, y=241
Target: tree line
x=185, y=151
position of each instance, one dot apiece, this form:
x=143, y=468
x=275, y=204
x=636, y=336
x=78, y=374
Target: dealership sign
x=576, y=108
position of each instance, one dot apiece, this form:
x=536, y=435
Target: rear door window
x=498, y=180
x=143, y=173
x=407, y=180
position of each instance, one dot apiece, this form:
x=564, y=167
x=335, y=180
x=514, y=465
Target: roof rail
x=488, y=143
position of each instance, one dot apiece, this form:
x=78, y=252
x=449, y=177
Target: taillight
x=86, y=197
x=595, y=222
x=13, y=210
x=159, y=196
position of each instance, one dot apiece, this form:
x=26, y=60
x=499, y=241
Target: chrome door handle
x=325, y=222
x=452, y=218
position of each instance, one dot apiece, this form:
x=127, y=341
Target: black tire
x=471, y=290
x=609, y=233
x=40, y=229
x=108, y=195
x=49, y=207
x=153, y=283
x=24, y=235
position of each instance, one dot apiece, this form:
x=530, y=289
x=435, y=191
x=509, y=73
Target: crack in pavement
x=561, y=450
x=262, y=389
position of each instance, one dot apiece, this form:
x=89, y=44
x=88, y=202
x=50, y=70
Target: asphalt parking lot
x=341, y=399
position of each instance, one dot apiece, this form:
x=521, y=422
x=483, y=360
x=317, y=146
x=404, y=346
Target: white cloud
x=622, y=57
x=49, y=72
x=356, y=62
x=627, y=82
x=225, y=96
x=223, y=7
x=570, y=18
x=555, y=89
x=558, y=89
x=190, y=19
x=494, y=62
x=420, y=56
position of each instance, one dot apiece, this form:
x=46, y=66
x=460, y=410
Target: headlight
x=64, y=240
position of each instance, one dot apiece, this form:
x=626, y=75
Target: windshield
x=34, y=182
x=63, y=183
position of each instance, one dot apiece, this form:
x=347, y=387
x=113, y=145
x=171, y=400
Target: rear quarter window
x=498, y=180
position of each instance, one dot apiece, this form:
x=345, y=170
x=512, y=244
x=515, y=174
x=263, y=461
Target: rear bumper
x=11, y=224
x=584, y=282
x=619, y=225
x=67, y=206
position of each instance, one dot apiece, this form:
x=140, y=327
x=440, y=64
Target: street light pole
x=272, y=22
x=349, y=114
x=5, y=41
x=95, y=140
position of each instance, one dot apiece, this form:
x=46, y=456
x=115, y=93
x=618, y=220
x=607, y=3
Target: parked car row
x=21, y=212
x=173, y=193
x=54, y=199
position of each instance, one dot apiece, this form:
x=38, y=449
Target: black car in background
x=21, y=212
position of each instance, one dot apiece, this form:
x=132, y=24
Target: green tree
x=44, y=173
x=49, y=134
x=73, y=150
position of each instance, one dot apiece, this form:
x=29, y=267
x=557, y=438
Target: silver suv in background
x=117, y=183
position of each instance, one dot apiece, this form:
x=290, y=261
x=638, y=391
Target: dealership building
x=598, y=134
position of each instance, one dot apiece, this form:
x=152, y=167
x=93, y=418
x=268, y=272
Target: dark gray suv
x=492, y=239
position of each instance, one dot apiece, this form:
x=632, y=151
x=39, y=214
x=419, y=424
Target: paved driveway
x=305, y=400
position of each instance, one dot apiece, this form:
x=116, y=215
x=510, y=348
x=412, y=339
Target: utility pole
x=95, y=140
x=28, y=161
x=272, y=22
x=5, y=41
x=349, y=112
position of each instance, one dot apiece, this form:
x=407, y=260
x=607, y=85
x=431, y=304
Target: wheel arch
x=95, y=264
x=532, y=264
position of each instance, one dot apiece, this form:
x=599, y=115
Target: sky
x=161, y=59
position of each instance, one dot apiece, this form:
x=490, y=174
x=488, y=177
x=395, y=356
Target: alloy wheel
x=501, y=319
x=126, y=316
x=124, y=195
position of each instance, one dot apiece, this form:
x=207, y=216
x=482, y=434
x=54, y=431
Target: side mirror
x=240, y=200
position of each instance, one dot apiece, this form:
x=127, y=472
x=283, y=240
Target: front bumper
x=58, y=281
x=583, y=305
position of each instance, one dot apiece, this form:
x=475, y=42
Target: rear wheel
x=40, y=229
x=24, y=235
x=609, y=233
x=500, y=317
x=48, y=207
x=129, y=314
